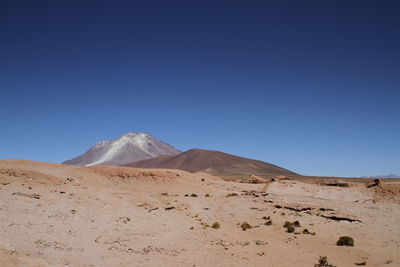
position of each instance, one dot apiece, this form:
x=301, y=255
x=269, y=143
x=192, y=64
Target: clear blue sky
x=313, y=86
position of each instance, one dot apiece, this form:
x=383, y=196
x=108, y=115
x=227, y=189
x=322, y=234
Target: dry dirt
x=59, y=215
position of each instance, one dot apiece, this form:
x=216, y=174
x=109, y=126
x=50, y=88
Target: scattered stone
x=336, y=218
x=335, y=183
x=253, y=179
x=246, y=243
x=376, y=182
x=326, y=209
x=360, y=263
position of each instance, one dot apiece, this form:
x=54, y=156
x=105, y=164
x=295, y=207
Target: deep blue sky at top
x=313, y=86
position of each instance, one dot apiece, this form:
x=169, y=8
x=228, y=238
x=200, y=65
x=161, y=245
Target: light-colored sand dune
x=57, y=215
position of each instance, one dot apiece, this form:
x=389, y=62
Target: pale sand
x=114, y=216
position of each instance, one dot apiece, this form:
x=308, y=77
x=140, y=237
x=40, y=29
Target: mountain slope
x=214, y=162
x=127, y=148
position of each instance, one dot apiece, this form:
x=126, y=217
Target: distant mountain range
x=142, y=150
x=214, y=162
x=123, y=150
x=382, y=176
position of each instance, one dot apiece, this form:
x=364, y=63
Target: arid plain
x=60, y=215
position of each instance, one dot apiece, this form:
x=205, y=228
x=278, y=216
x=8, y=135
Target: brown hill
x=214, y=162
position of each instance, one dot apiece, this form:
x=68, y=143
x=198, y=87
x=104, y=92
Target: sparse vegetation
x=268, y=223
x=323, y=262
x=345, y=241
x=290, y=227
x=245, y=226
x=215, y=225
x=306, y=232
x=296, y=224
x=205, y=225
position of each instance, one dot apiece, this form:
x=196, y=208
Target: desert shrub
x=290, y=229
x=231, y=195
x=345, y=241
x=207, y=195
x=186, y=195
x=296, y=224
x=306, y=232
x=205, y=225
x=164, y=194
x=193, y=195
x=215, y=225
x=323, y=262
x=269, y=222
x=245, y=226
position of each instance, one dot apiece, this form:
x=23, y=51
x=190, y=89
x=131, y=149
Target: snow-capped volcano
x=124, y=149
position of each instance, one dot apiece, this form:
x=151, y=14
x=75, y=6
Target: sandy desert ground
x=59, y=215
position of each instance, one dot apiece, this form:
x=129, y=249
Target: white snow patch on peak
x=100, y=144
x=124, y=149
x=131, y=134
x=140, y=140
